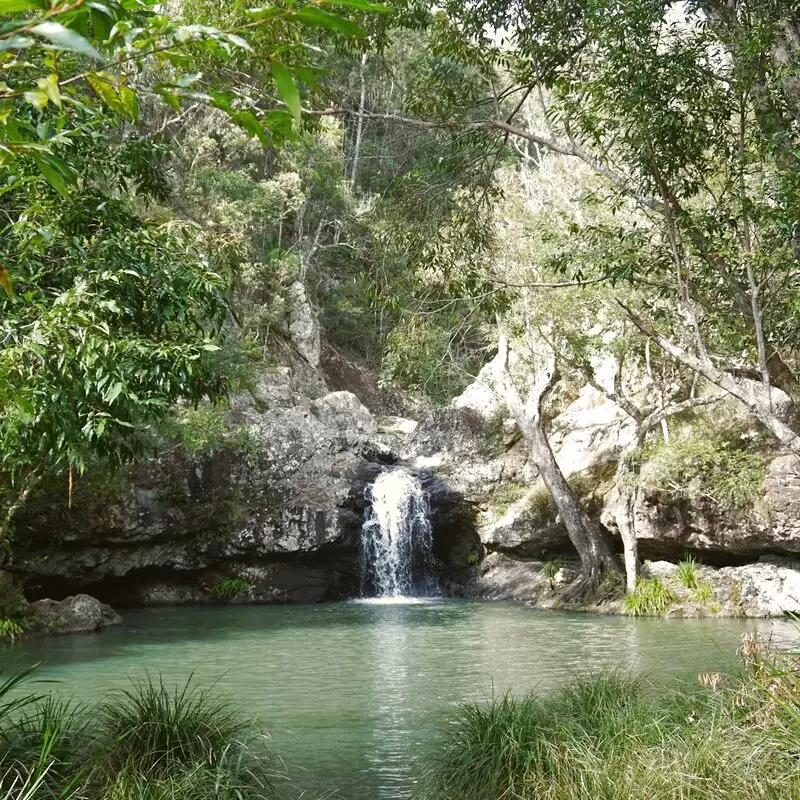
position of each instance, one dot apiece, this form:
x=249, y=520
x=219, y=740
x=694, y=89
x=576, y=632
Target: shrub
x=145, y=743
x=651, y=598
x=718, y=466
x=154, y=730
x=610, y=738
x=10, y=629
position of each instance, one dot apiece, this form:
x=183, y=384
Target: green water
x=352, y=692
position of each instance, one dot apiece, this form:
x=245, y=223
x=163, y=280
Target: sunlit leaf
x=287, y=88
x=363, y=5
x=129, y=103
x=15, y=6
x=5, y=282
x=37, y=98
x=50, y=86
x=325, y=19
x=17, y=43
x=266, y=12
x=66, y=39
x=106, y=90
x=114, y=392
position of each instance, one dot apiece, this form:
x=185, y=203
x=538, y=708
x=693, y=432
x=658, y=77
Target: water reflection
x=353, y=692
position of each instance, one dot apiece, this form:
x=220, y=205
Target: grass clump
x=154, y=730
x=687, y=573
x=228, y=588
x=552, y=567
x=703, y=594
x=505, y=495
x=10, y=629
x=148, y=742
x=612, y=738
x=652, y=598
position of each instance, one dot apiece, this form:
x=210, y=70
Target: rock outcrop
x=78, y=614
x=667, y=527
x=271, y=513
x=276, y=505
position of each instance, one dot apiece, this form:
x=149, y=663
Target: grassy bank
x=615, y=738
x=149, y=742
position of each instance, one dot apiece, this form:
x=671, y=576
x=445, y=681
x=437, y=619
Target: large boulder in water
x=80, y=613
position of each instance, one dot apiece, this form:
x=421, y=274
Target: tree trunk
x=626, y=521
x=29, y=483
x=584, y=533
x=360, y=125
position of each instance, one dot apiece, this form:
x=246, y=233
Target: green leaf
x=266, y=12
x=185, y=81
x=239, y=42
x=66, y=39
x=101, y=23
x=114, y=392
x=287, y=88
x=107, y=92
x=25, y=405
x=55, y=171
x=362, y=5
x=169, y=96
x=316, y=17
x=37, y=98
x=129, y=102
x=17, y=43
x=15, y=6
x=249, y=121
x=50, y=86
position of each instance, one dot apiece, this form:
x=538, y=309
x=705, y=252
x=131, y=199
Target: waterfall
x=396, y=541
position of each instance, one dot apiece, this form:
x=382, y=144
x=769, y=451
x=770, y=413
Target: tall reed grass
x=615, y=738
x=147, y=742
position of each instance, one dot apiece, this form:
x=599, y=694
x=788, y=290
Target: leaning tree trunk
x=584, y=533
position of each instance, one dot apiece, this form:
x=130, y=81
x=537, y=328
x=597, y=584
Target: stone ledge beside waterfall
x=763, y=589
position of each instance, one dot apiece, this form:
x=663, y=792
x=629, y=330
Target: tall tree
x=688, y=113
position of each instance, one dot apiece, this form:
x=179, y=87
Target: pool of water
x=352, y=692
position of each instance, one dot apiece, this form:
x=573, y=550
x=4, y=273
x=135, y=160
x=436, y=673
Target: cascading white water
x=396, y=540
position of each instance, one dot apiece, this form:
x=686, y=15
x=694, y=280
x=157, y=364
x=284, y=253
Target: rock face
x=78, y=614
x=479, y=450
x=482, y=455
x=302, y=324
x=668, y=527
x=271, y=514
x=283, y=496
